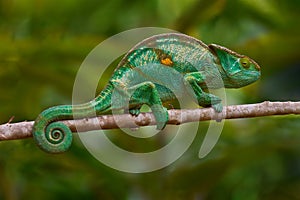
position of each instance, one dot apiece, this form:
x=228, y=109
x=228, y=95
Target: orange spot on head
x=166, y=61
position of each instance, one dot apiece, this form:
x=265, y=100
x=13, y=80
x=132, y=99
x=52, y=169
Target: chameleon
x=186, y=64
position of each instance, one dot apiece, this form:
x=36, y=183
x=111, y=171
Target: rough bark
x=20, y=130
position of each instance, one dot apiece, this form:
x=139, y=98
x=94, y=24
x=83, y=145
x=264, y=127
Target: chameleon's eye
x=245, y=62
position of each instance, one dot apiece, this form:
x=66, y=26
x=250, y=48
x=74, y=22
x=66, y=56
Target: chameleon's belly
x=168, y=82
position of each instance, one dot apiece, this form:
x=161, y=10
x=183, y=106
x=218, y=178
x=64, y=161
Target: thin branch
x=11, y=131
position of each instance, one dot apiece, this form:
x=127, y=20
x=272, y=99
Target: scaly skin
x=159, y=69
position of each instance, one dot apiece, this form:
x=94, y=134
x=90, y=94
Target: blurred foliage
x=42, y=44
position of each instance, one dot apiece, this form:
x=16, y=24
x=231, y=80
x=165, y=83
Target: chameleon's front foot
x=217, y=107
x=210, y=100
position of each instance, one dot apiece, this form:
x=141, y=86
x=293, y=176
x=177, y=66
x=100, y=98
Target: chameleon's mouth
x=251, y=77
x=240, y=80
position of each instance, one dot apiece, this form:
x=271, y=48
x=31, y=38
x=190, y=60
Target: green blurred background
x=43, y=43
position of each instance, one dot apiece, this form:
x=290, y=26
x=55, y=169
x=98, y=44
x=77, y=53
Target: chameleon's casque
x=158, y=69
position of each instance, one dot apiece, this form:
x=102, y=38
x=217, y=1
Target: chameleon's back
x=181, y=52
x=164, y=60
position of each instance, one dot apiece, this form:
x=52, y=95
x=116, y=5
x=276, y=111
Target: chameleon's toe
x=218, y=107
x=161, y=124
x=161, y=118
x=134, y=111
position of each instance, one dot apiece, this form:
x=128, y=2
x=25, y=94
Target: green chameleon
x=158, y=69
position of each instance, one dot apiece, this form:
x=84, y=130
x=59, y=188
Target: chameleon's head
x=239, y=70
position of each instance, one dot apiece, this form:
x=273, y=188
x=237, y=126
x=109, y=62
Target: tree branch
x=11, y=131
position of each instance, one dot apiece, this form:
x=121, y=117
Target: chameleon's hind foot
x=161, y=116
x=135, y=111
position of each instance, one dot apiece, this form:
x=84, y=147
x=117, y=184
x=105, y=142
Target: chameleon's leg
x=194, y=80
x=146, y=93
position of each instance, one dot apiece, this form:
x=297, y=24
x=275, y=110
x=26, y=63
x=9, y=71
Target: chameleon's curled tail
x=52, y=135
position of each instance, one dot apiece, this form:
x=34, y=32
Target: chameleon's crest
x=238, y=70
x=217, y=48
